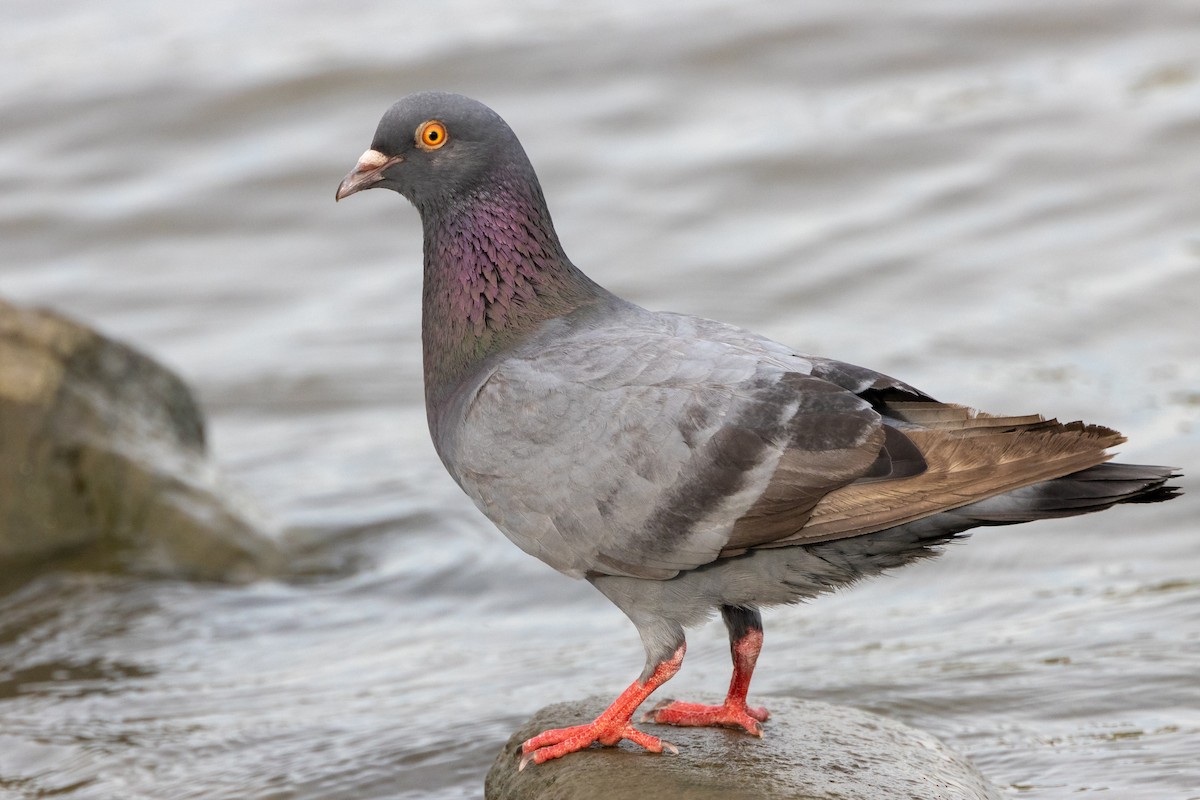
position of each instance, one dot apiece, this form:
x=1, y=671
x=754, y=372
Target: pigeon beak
x=366, y=173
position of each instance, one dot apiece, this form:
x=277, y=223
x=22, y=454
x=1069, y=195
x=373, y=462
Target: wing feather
x=633, y=448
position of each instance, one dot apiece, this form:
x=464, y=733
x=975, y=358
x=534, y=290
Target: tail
x=1092, y=489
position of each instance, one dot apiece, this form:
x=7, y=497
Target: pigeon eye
x=431, y=135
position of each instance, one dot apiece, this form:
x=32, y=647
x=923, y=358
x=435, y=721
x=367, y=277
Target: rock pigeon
x=680, y=465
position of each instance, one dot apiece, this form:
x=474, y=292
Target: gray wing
x=866, y=383
x=635, y=446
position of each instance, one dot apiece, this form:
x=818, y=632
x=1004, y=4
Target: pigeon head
x=494, y=267
x=435, y=148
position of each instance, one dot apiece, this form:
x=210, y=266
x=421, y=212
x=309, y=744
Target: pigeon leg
x=745, y=642
x=611, y=726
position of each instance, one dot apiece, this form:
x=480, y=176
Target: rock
x=102, y=448
x=810, y=751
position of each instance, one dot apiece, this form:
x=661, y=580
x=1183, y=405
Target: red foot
x=610, y=727
x=730, y=715
x=560, y=741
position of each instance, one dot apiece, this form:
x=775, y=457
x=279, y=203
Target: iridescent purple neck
x=494, y=271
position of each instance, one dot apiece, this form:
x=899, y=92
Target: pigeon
x=683, y=466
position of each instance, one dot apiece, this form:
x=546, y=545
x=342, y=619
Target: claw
x=610, y=727
x=729, y=715
x=560, y=741
x=745, y=632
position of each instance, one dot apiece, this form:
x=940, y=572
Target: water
x=996, y=201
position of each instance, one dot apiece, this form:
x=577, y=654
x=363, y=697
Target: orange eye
x=431, y=135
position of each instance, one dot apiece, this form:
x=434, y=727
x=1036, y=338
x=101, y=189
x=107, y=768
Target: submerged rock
x=103, y=448
x=810, y=751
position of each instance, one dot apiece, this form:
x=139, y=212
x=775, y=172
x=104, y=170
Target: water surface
x=995, y=201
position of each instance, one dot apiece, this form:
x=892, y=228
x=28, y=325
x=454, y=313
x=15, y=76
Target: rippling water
x=996, y=201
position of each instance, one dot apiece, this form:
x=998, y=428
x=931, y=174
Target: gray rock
x=810, y=751
x=102, y=451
